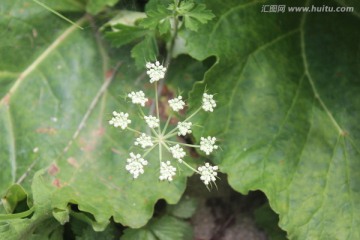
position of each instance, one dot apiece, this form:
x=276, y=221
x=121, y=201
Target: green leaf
x=158, y=18
x=185, y=208
x=125, y=34
x=40, y=225
x=287, y=89
x=64, y=5
x=55, y=117
x=145, y=51
x=164, y=228
x=84, y=231
x=194, y=15
x=138, y=234
x=170, y=228
x=125, y=17
x=95, y=6
x=13, y=196
x=268, y=220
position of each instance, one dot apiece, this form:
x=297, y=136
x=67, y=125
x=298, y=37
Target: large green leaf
x=288, y=99
x=56, y=100
x=95, y=6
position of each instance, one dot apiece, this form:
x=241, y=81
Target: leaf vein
x=41, y=58
x=283, y=122
x=223, y=16
x=311, y=81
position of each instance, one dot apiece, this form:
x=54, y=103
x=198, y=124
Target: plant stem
x=169, y=134
x=148, y=151
x=166, y=124
x=157, y=107
x=184, y=144
x=185, y=163
x=168, y=58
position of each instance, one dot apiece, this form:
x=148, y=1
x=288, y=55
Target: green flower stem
x=152, y=130
x=192, y=115
x=169, y=55
x=184, y=144
x=160, y=153
x=133, y=130
x=166, y=124
x=149, y=150
x=157, y=107
x=185, y=163
x=166, y=146
x=141, y=111
x=169, y=134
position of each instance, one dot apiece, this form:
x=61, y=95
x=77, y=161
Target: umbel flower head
x=159, y=135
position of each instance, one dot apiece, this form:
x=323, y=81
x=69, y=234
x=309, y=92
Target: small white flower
x=177, y=103
x=152, y=121
x=120, y=120
x=144, y=140
x=208, y=173
x=208, y=103
x=184, y=128
x=207, y=145
x=167, y=171
x=177, y=152
x=138, y=98
x=135, y=164
x=155, y=71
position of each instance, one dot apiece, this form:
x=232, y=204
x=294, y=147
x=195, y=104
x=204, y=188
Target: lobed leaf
x=287, y=92
x=195, y=16
x=54, y=118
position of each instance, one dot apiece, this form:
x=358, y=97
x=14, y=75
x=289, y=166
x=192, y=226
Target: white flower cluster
x=184, y=128
x=208, y=173
x=167, y=172
x=208, y=102
x=161, y=138
x=207, y=145
x=120, y=120
x=138, y=98
x=155, y=71
x=135, y=164
x=178, y=152
x=152, y=121
x=177, y=104
x=144, y=140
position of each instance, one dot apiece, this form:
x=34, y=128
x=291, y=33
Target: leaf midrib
x=33, y=66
